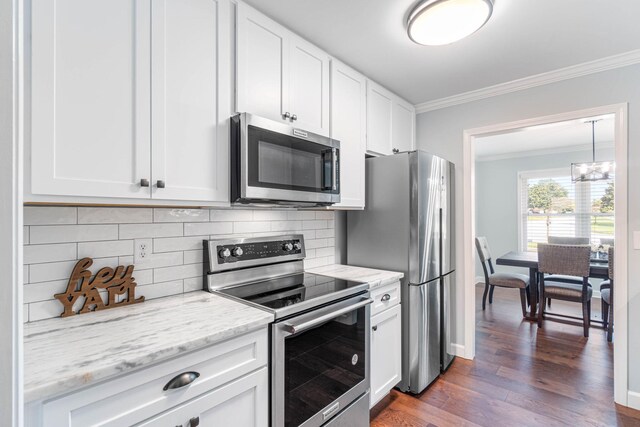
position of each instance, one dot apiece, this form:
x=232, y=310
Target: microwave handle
x=293, y=328
x=334, y=169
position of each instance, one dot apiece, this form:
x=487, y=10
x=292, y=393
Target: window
x=552, y=205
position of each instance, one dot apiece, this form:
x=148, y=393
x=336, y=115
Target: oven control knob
x=237, y=251
x=287, y=247
x=224, y=253
x=297, y=246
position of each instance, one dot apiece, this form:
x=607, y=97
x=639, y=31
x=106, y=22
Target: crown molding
x=585, y=148
x=573, y=71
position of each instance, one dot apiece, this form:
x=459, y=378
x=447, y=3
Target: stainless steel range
x=319, y=357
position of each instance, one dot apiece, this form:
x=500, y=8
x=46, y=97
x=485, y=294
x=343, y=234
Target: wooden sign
x=119, y=284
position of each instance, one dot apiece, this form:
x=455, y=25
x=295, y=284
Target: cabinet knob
x=294, y=118
x=286, y=115
x=144, y=182
x=194, y=422
x=375, y=328
x=385, y=297
x=160, y=183
x=395, y=151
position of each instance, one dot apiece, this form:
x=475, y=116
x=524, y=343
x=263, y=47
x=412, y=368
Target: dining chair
x=563, y=240
x=503, y=280
x=570, y=260
x=606, y=295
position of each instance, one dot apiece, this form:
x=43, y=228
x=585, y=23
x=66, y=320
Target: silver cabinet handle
x=160, y=183
x=194, y=422
x=144, y=182
x=286, y=115
x=385, y=297
x=181, y=380
x=294, y=118
x=294, y=329
x=375, y=328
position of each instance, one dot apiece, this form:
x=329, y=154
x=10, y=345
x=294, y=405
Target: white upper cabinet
x=124, y=96
x=279, y=75
x=390, y=121
x=89, y=102
x=262, y=52
x=190, y=142
x=403, y=125
x=348, y=125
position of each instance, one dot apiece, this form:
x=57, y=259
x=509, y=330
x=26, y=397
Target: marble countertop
x=375, y=278
x=65, y=354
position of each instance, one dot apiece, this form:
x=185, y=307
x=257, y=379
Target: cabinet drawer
x=241, y=403
x=139, y=396
x=385, y=297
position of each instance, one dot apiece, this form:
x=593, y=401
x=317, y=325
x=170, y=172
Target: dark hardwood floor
x=521, y=376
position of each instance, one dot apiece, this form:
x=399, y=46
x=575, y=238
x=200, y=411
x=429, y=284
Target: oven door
x=280, y=163
x=320, y=363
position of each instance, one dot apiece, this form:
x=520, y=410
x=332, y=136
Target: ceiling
x=570, y=135
x=522, y=38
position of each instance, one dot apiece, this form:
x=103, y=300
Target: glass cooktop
x=292, y=294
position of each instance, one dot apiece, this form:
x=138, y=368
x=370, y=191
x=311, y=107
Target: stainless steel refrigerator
x=407, y=225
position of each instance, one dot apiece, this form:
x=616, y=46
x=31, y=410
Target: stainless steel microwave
x=275, y=163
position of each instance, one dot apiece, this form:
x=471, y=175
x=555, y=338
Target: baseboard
x=479, y=280
x=633, y=399
x=458, y=350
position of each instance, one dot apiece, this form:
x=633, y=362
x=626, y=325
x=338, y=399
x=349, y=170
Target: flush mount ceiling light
x=439, y=22
x=594, y=171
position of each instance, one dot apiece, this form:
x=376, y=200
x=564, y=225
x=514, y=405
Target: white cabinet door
x=348, y=125
x=386, y=348
x=190, y=136
x=262, y=65
x=241, y=403
x=309, y=86
x=90, y=101
x=379, y=118
x=403, y=125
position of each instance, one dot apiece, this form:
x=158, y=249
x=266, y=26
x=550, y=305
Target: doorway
x=618, y=115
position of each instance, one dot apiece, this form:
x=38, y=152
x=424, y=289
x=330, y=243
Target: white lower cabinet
x=242, y=403
x=231, y=388
x=386, y=352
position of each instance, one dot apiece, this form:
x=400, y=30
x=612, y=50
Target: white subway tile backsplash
x=137, y=231
x=268, y=215
x=193, y=257
x=25, y=274
x=35, y=254
x=55, y=237
x=62, y=270
x=159, y=290
x=193, y=284
x=50, y=215
x=230, y=215
x=25, y=235
x=180, y=215
x=71, y=233
x=43, y=291
x=105, y=249
x=251, y=227
x=187, y=271
x=170, y=244
x=114, y=215
x=156, y=260
x=199, y=229
x=301, y=215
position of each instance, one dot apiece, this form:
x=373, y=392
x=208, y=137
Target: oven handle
x=300, y=327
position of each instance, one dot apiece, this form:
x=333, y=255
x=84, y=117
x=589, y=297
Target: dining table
x=599, y=269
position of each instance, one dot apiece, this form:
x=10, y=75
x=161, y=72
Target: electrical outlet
x=142, y=250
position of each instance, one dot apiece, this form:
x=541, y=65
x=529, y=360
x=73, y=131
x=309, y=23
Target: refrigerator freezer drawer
x=423, y=343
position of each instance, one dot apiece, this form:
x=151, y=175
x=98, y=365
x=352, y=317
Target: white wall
x=441, y=132
x=497, y=202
